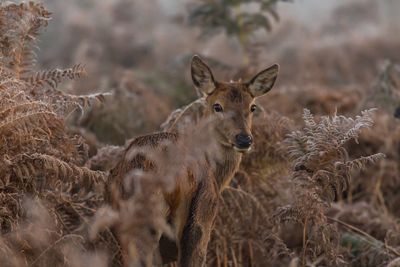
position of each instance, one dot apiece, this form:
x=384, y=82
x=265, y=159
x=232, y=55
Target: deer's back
x=138, y=155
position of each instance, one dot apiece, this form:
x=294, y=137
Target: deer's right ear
x=202, y=76
x=263, y=81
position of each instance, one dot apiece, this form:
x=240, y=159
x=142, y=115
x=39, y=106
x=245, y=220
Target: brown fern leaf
x=53, y=169
x=27, y=120
x=361, y=162
x=363, y=121
x=320, y=143
x=23, y=107
x=54, y=77
x=18, y=34
x=321, y=173
x=64, y=104
x=39, y=157
x=74, y=211
x=27, y=125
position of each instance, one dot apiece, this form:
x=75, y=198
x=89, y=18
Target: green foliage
x=231, y=16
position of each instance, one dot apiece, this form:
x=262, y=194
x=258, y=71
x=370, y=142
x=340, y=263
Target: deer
x=192, y=203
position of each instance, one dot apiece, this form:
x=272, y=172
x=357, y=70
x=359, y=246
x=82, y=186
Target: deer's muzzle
x=243, y=141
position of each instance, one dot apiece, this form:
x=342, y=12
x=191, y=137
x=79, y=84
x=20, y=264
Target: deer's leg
x=197, y=230
x=168, y=250
x=144, y=252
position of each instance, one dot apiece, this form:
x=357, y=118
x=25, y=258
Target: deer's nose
x=243, y=141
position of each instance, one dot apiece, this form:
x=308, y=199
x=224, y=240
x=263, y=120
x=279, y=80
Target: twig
x=361, y=232
x=303, y=262
x=53, y=245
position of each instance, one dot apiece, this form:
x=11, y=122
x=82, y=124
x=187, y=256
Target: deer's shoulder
x=152, y=140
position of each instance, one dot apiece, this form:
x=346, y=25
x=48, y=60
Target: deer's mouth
x=238, y=148
x=243, y=142
x=242, y=149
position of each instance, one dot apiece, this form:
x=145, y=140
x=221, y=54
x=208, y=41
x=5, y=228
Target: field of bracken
x=82, y=81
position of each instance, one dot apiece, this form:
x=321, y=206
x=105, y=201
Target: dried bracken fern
x=24, y=167
x=54, y=77
x=322, y=172
x=39, y=156
x=19, y=27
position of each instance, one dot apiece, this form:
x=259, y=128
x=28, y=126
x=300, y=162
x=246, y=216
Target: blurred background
x=331, y=53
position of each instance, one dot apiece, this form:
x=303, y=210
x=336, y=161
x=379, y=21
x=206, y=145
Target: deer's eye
x=217, y=108
x=253, y=108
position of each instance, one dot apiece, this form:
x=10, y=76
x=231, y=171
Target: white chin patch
x=242, y=150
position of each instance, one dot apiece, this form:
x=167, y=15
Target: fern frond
x=56, y=76
x=53, y=169
x=331, y=184
x=318, y=144
x=361, y=162
x=363, y=121
x=289, y=213
x=309, y=119
x=22, y=107
x=19, y=34
x=322, y=172
x=66, y=103
x=41, y=119
x=87, y=100
x=26, y=62
x=296, y=144
x=11, y=84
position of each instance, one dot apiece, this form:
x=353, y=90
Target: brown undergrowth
x=41, y=161
x=317, y=193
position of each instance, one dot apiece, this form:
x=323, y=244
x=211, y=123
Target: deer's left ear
x=202, y=76
x=263, y=81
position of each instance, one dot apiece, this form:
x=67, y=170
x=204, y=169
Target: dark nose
x=243, y=140
x=397, y=113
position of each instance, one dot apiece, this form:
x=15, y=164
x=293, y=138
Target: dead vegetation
x=319, y=191
x=41, y=161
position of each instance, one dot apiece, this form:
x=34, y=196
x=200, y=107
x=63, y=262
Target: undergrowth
x=305, y=196
x=42, y=163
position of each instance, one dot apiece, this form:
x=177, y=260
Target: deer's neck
x=226, y=165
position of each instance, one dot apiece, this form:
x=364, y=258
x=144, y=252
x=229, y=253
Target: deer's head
x=232, y=104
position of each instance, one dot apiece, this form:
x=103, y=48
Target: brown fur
x=192, y=203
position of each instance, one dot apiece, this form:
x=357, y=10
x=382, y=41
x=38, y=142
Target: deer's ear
x=202, y=76
x=263, y=81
